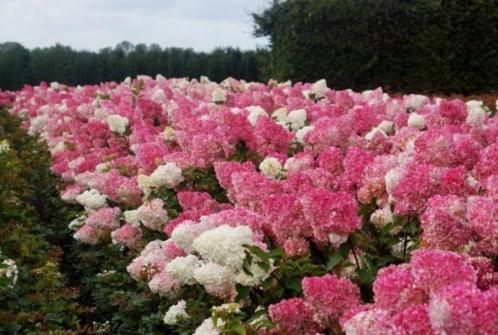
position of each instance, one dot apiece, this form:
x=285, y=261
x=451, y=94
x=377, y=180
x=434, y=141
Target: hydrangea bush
x=36, y=294
x=279, y=208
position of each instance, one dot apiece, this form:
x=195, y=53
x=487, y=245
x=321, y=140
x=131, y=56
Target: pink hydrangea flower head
x=434, y=269
x=164, y=285
x=444, y=223
x=330, y=213
x=453, y=309
x=355, y=162
x=394, y=288
x=90, y=235
x=486, y=316
x=331, y=160
x=152, y=214
x=330, y=297
x=482, y=214
x=127, y=235
x=374, y=321
x=106, y=218
x=414, y=320
x=293, y=317
x=296, y=247
x=416, y=185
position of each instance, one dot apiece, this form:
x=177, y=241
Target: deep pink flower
x=293, y=317
x=330, y=296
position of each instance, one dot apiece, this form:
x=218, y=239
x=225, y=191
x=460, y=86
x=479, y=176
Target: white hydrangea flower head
x=175, y=313
x=319, y=88
x=219, y=96
x=54, y=85
x=392, y=178
x=224, y=245
x=144, y=183
x=169, y=175
x=102, y=167
x=218, y=280
x=474, y=104
x=476, y=112
x=207, y=328
x=373, y=133
x=471, y=181
x=280, y=114
x=4, y=146
x=10, y=271
x=101, y=113
x=381, y=217
x=258, y=274
x=386, y=126
x=159, y=96
x=169, y=134
x=117, y=123
x=254, y=113
x=337, y=239
x=416, y=120
x=204, y=80
x=415, y=101
x=182, y=269
x=366, y=93
x=271, y=167
x=37, y=123
x=185, y=233
x=287, y=83
x=300, y=133
x=92, y=199
x=227, y=82
x=131, y=217
x=297, y=118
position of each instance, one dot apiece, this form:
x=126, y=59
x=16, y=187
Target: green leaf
x=366, y=277
x=242, y=292
x=333, y=261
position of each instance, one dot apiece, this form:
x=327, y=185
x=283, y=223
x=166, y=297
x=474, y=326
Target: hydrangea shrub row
x=284, y=209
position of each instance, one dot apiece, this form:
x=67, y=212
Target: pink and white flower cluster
x=438, y=292
x=311, y=157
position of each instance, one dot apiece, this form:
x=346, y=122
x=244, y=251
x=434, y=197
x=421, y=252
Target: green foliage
x=32, y=217
x=413, y=45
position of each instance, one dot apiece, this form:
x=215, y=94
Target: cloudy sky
x=94, y=24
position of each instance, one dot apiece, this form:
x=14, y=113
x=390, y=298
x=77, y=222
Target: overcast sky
x=94, y=24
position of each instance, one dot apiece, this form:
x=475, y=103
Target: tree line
x=19, y=65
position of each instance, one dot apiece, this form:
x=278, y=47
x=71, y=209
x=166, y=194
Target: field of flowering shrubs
x=249, y=208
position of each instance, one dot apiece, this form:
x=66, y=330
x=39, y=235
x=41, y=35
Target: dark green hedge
x=402, y=45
